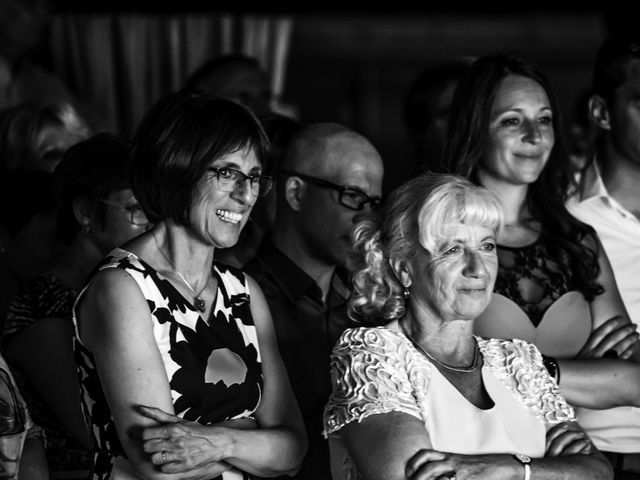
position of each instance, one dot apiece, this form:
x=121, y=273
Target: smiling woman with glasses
x=350, y=197
x=174, y=344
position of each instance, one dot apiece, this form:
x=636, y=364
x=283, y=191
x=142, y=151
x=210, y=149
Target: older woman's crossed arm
x=396, y=446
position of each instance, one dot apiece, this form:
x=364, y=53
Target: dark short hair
x=280, y=129
x=218, y=64
x=609, y=71
x=24, y=194
x=93, y=168
x=178, y=139
x=427, y=86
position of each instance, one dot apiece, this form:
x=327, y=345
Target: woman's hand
x=617, y=335
x=178, y=445
x=567, y=438
x=430, y=464
x=435, y=465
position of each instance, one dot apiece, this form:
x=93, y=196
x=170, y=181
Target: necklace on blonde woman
x=198, y=301
x=469, y=369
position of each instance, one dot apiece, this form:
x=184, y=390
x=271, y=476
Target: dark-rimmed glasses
x=135, y=213
x=228, y=179
x=350, y=197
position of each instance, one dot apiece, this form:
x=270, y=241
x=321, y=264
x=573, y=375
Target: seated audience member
x=329, y=174
x=416, y=394
x=236, y=76
x=608, y=196
x=555, y=286
x=22, y=25
x=279, y=128
x=21, y=453
x=34, y=136
x=28, y=240
x=180, y=370
x=426, y=110
x=608, y=199
x=96, y=212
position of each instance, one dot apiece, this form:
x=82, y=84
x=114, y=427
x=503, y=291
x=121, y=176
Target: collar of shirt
x=293, y=281
x=591, y=188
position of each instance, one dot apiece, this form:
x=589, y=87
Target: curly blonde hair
x=414, y=217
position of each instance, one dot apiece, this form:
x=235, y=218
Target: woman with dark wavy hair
x=555, y=286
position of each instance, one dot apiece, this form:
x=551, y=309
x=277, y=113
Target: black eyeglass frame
x=374, y=202
x=244, y=177
x=129, y=209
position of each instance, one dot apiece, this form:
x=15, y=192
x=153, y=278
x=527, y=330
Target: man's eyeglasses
x=350, y=197
x=228, y=179
x=135, y=212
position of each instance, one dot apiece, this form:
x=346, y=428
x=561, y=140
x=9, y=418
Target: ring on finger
x=164, y=457
x=452, y=475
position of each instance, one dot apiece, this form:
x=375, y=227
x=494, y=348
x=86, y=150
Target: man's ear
x=402, y=270
x=599, y=112
x=294, y=189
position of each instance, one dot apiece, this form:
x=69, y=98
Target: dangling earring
x=86, y=228
x=406, y=293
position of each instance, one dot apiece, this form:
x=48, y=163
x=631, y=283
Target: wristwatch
x=524, y=460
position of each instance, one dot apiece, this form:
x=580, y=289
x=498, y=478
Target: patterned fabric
x=44, y=297
x=378, y=370
x=534, y=300
x=213, y=366
x=530, y=278
x=16, y=425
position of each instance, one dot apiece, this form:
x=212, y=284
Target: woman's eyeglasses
x=228, y=179
x=136, y=214
x=350, y=197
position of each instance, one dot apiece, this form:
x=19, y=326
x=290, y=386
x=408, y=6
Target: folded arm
x=274, y=445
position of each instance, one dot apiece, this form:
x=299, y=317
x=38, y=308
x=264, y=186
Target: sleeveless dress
x=534, y=300
x=378, y=370
x=214, y=367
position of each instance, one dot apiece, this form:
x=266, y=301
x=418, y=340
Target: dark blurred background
x=348, y=62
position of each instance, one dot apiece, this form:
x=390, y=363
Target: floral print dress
x=214, y=367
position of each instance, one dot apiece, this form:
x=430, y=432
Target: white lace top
x=378, y=370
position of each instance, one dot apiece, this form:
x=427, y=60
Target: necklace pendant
x=200, y=304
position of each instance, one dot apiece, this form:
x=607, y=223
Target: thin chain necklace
x=198, y=301
x=468, y=369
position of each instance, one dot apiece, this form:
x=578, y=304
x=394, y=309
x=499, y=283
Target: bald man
x=329, y=174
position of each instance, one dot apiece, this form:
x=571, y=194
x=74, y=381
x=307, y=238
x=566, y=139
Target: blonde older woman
x=421, y=396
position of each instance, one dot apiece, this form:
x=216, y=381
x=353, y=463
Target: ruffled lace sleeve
x=371, y=373
x=518, y=364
